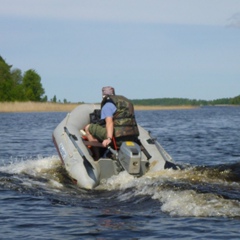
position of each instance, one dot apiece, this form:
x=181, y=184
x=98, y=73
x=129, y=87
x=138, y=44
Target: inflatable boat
x=76, y=153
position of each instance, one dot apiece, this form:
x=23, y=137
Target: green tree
x=235, y=100
x=18, y=90
x=45, y=98
x=6, y=82
x=54, y=99
x=32, y=86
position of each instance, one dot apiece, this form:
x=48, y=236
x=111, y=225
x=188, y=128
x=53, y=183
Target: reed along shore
x=66, y=107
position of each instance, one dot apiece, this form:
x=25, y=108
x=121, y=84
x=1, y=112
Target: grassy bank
x=35, y=107
x=60, y=107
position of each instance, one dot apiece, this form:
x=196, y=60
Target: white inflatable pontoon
x=76, y=152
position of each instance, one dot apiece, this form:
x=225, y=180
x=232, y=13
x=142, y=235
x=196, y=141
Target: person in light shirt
x=117, y=120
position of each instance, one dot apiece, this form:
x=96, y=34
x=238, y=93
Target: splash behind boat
x=77, y=155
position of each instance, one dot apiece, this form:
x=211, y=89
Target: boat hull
x=78, y=160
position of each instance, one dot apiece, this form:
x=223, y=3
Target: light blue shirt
x=108, y=110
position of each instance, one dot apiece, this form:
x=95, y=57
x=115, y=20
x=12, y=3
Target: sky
x=143, y=48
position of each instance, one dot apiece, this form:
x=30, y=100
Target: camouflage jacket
x=124, y=119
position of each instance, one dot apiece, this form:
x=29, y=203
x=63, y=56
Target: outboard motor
x=130, y=157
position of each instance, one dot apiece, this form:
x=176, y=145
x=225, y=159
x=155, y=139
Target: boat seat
x=98, y=150
x=98, y=144
x=94, y=144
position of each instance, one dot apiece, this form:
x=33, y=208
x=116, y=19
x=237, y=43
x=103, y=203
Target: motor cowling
x=130, y=157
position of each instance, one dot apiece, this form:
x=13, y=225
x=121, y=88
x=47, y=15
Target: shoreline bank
x=67, y=107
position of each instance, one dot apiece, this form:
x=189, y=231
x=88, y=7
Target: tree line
x=185, y=101
x=15, y=86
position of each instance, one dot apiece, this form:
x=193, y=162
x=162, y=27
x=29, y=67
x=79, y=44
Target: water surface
x=202, y=201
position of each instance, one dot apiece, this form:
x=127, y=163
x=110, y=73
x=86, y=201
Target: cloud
x=190, y=12
x=234, y=21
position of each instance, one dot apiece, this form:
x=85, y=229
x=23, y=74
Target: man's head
x=108, y=91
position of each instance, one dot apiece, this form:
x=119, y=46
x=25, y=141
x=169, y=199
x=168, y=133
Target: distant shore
x=66, y=107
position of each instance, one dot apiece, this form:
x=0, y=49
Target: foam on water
x=31, y=166
x=37, y=172
x=187, y=192
x=195, y=191
x=191, y=203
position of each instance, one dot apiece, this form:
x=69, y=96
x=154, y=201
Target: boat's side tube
x=87, y=164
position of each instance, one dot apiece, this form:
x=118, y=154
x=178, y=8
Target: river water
x=201, y=201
